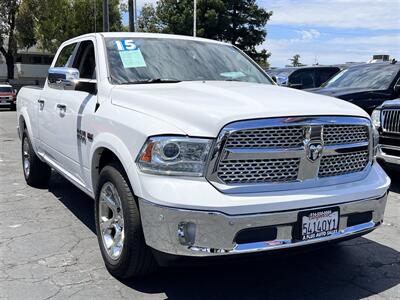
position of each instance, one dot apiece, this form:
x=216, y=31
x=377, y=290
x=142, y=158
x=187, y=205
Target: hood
x=391, y=103
x=203, y=108
x=347, y=92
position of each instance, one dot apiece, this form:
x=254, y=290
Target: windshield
x=368, y=76
x=5, y=89
x=152, y=60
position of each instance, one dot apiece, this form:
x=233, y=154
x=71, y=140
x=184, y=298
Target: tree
x=148, y=20
x=8, y=12
x=295, y=61
x=48, y=23
x=246, y=25
x=240, y=22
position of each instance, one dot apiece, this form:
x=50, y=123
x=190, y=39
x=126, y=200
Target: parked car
x=386, y=119
x=303, y=77
x=189, y=149
x=8, y=96
x=366, y=85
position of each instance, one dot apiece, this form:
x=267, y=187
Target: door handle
x=61, y=106
x=40, y=101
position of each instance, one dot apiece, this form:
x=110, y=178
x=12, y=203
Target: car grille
x=271, y=154
x=344, y=134
x=261, y=170
x=276, y=137
x=342, y=164
x=391, y=120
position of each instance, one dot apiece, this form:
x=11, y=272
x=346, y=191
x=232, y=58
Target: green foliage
x=295, y=61
x=148, y=20
x=240, y=22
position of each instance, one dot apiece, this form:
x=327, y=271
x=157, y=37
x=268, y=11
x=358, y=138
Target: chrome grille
x=345, y=134
x=274, y=137
x=261, y=170
x=342, y=164
x=391, y=120
x=287, y=153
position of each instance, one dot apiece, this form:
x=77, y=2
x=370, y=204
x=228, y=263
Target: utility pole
x=132, y=15
x=194, y=17
x=106, y=21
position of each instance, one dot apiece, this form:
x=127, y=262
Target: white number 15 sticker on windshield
x=126, y=45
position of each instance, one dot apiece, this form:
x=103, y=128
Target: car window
x=85, y=60
x=371, y=76
x=5, y=89
x=324, y=74
x=143, y=59
x=304, y=77
x=65, y=56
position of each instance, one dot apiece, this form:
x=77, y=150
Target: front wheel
x=36, y=172
x=118, y=226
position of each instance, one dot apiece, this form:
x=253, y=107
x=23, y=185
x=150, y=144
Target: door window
x=64, y=59
x=85, y=60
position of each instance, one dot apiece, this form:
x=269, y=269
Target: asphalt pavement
x=48, y=250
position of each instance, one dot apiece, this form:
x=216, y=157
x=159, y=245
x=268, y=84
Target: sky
x=329, y=31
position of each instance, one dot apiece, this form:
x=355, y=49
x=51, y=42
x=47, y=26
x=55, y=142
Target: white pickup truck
x=190, y=149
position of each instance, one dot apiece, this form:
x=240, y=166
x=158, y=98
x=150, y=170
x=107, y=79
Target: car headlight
x=375, y=136
x=174, y=155
x=376, y=118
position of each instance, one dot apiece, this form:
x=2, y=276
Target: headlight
x=174, y=155
x=376, y=118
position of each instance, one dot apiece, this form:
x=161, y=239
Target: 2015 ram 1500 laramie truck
x=190, y=149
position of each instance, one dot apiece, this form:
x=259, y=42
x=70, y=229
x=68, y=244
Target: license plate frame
x=314, y=232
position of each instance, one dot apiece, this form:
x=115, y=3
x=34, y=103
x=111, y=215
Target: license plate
x=3, y=101
x=319, y=223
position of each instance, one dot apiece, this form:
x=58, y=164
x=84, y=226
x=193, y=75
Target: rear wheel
x=36, y=172
x=118, y=225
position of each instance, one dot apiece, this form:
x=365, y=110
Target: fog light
x=186, y=233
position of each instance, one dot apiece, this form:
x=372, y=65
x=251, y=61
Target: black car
x=386, y=119
x=303, y=77
x=366, y=85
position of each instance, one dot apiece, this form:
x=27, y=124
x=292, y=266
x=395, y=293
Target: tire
x=132, y=258
x=36, y=172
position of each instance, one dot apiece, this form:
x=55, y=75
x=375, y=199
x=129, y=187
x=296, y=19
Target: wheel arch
x=109, y=148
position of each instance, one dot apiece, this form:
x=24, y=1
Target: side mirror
x=63, y=78
x=274, y=79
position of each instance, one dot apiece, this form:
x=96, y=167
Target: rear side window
x=64, y=59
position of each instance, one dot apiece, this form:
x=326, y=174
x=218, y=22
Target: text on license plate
x=319, y=224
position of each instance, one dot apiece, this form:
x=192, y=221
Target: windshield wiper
x=152, y=80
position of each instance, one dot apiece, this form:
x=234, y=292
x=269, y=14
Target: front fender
x=117, y=146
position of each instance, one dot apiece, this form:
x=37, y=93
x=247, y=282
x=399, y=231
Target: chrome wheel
x=26, y=157
x=111, y=220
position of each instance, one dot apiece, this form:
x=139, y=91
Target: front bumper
x=207, y=233
x=386, y=154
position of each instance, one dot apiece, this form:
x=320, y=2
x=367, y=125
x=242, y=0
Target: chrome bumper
x=203, y=233
x=388, y=158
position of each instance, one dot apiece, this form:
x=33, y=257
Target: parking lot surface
x=48, y=250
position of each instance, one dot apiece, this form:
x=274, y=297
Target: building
x=31, y=66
